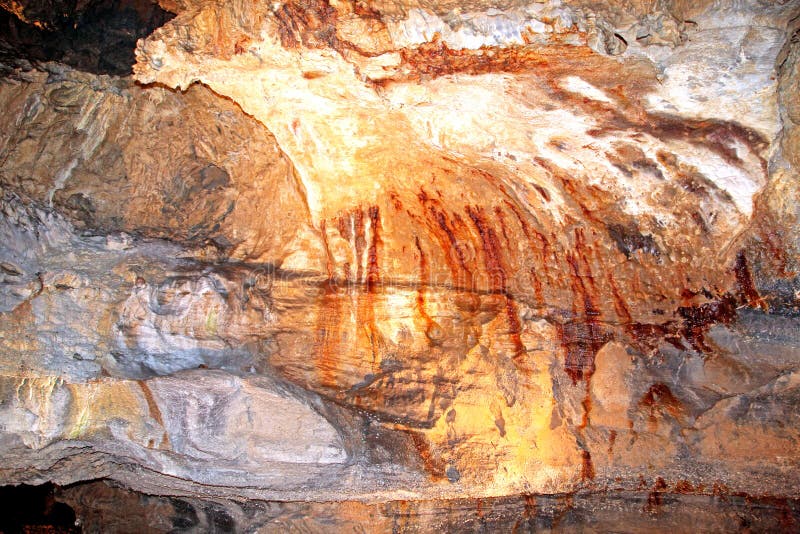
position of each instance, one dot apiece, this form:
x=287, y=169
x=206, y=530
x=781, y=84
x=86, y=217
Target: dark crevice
x=101, y=38
x=35, y=509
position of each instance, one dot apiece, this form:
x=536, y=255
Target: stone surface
x=403, y=250
x=656, y=510
x=97, y=36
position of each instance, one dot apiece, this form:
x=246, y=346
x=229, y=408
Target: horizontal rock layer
x=646, y=511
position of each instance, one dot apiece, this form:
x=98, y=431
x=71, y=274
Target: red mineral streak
x=496, y=269
x=424, y=275
x=659, y=399
x=582, y=337
x=745, y=281
x=155, y=412
x=698, y=319
x=366, y=298
x=539, y=244
x=432, y=465
x=373, y=265
x=445, y=229
x=329, y=335
x=654, y=498
x=587, y=467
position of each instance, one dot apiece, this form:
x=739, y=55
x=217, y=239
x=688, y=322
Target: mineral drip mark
x=511, y=311
x=565, y=503
x=645, y=337
x=530, y=506
x=659, y=397
x=329, y=262
x=331, y=319
x=424, y=280
x=654, y=499
x=529, y=513
x=480, y=514
x=581, y=338
x=698, y=319
x=366, y=298
x=587, y=467
x=373, y=267
x=451, y=234
x=612, y=438
x=155, y=412
x=400, y=513
x=493, y=260
x=432, y=465
x=328, y=329
x=351, y=228
x=435, y=220
x=745, y=281
x=455, y=240
x=590, y=307
x=620, y=306
x=501, y=218
x=366, y=306
x=329, y=334
x=443, y=229
x=543, y=247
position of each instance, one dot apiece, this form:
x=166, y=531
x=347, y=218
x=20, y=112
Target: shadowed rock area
x=402, y=266
x=655, y=510
x=97, y=36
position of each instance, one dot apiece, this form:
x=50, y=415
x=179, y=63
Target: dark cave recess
x=27, y=508
x=100, y=37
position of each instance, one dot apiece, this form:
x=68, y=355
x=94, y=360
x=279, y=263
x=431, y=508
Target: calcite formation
x=370, y=251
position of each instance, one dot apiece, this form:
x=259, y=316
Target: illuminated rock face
x=375, y=251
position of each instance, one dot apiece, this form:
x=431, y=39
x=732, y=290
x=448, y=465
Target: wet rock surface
x=657, y=510
x=363, y=253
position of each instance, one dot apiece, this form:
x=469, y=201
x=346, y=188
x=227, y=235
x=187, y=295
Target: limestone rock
x=356, y=251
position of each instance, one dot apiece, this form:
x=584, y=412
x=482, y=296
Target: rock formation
x=365, y=252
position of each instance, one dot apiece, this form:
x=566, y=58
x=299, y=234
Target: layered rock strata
x=341, y=251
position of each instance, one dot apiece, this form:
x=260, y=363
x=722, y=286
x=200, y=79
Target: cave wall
x=360, y=251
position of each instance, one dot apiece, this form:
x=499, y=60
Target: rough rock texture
x=370, y=251
x=95, y=35
x=655, y=511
